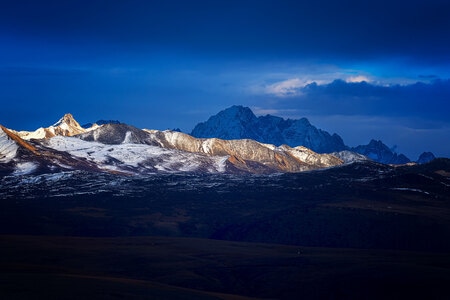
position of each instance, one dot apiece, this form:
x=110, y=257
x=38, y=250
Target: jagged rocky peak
x=67, y=119
x=238, y=122
x=66, y=126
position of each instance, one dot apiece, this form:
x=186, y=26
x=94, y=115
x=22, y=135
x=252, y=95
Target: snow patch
x=24, y=168
x=128, y=138
x=135, y=157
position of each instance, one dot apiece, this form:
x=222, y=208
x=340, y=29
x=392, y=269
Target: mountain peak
x=239, y=122
x=67, y=119
x=238, y=112
x=66, y=126
x=378, y=151
x=425, y=157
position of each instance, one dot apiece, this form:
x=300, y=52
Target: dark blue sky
x=362, y=69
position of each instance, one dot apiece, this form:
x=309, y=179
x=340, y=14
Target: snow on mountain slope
x=349, y=156
x=312, y=158
x=246, y=154
x=136, y=158
x=113, y=134
x=8, y=147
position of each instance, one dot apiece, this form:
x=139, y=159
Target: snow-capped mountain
x=19, y=157
x=136, y=158
x=118, y=147
x=66, y=126
x=126, y=149
x=379, y=152
x=238, y=122
x=242, y=155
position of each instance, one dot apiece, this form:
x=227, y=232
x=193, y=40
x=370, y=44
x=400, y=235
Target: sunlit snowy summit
x=121, y=148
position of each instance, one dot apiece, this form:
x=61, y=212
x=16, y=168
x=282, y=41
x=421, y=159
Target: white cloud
x=289, y=87
x=359, y=78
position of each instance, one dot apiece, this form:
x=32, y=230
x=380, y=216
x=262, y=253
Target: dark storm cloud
x=415, y=101
x=415, y=29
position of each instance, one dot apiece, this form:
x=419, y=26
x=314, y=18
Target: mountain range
x=76, y=211
x=238, y=122
x=121, y=148
x=233, y=141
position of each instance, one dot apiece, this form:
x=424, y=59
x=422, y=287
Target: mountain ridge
x=238, y=122
x=126, y=149
x=118, y=147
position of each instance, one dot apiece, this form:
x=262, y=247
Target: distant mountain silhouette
x=425, y=157
x=379, y=152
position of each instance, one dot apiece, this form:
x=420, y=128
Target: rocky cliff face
x=239, y=122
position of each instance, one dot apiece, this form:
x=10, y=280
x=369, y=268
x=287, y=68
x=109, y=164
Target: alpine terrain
x=113, y=211
x=117, y=147
x=238, y=122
